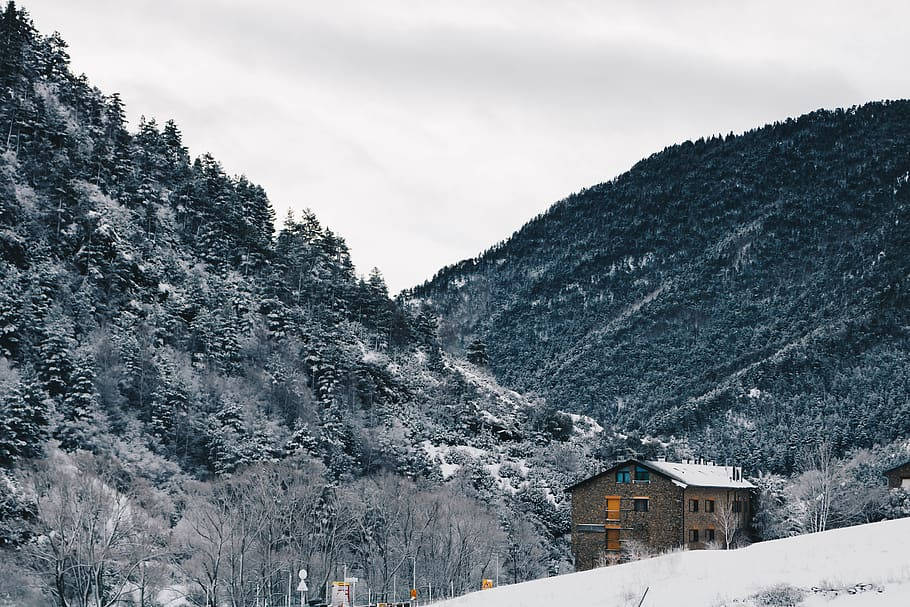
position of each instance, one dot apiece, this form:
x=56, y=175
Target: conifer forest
x=199, y=398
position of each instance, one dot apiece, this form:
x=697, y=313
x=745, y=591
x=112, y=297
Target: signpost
x=302, y=587
x=341, y=594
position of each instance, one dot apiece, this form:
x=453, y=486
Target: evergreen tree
x=302, y=441
x=227, y=439
x=477, y=352
x=169, y=406
x=23, y=422
x=56, y=365
x=11, y=307
x=81, y=423
x=377, y=283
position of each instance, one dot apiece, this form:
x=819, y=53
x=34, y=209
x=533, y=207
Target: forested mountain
x=746, y=292
x=236, y=403
x=194, y=405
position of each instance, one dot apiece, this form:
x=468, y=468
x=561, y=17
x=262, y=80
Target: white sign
x=341, y=594
x=301, y=587
x=302, y=574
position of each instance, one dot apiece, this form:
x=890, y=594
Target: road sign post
x=302, y=587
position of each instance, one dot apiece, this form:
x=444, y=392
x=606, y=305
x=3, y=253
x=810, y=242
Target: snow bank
x=876, y=554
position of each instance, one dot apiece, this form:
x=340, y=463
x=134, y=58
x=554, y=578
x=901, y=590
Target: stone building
x=899, y=477
x=639, y=506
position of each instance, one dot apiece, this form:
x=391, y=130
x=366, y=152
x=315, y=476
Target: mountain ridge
x=791, y=214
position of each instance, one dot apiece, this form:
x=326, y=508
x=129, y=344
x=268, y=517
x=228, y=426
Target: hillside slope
x=743, y=292
x=153, y=323
x=838, y=560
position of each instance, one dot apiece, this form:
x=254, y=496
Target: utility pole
x=497, y=571
x=414, y=574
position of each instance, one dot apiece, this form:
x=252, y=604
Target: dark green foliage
x=547, y=419
x=477, y=352
x=23, y=421
x=81, y=423
x=775, y=260
x=149, y=295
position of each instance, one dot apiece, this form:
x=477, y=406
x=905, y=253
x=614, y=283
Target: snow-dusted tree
x=11, y=307
x=776, y=514
x=81, y=420
x=23, y=419
x=302, y=440
x=56, y=354
x=815, y=487
x=226, y=436
x=525, y=552
x=91, y=538
x=897, y=504
x=729, y=522
x=201, y=541
x=477, y=352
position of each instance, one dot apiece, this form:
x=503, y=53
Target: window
x=693, y=535
x=693, y=505
x=591, y=527
x=613, y=507
x=709, y=535
x=737, y=506
x=642, y=475
x=640, y=504
x=709, y=505
x=623, y=475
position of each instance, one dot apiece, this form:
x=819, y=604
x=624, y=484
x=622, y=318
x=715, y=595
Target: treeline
x=827, y=492
x=109, y=539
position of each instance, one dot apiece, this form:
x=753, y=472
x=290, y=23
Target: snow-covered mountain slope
x=862, y=566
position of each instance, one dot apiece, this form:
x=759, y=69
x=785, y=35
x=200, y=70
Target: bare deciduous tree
x=728, y=522
x=93, y=539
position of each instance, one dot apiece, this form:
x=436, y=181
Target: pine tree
x=169, y=403
x=16, y=36
x=11, y=306
x=227, y=438
x=81, y=422
x=477, y=352
x=117, y=164
x=23, y=422
x=377, y=283
x=56, y=365
x=301, y=441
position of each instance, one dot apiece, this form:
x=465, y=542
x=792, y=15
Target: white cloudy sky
x=425, y=131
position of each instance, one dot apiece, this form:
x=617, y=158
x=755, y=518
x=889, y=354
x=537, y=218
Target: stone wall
x=721, y=520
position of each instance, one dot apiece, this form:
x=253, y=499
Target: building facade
x=640, y=506
x=899, y=477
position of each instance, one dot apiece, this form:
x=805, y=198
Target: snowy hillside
x=866, y=565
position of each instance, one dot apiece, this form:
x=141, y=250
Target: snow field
x=878, y=553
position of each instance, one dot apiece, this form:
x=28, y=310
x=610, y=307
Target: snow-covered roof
x=702, y=475
x=686, y=474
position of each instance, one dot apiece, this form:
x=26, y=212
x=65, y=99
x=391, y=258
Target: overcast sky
x=423, y=132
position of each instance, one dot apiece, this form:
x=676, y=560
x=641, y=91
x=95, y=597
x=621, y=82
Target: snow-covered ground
x=877, y=554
